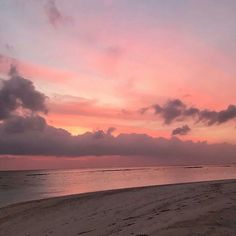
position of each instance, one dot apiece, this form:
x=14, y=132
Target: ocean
x=21, y=186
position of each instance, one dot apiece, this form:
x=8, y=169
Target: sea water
x=21, y=186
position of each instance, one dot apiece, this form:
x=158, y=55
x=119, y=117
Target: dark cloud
x=176, y=110
x=184, y=130
x=99, y=134
x=19, y=124
x=17, y=93
x=213, y=117
x=53, y=14
x=192, y=112
x=32, y=136
x=27, y=133
x=208, y=117
x=170, y=111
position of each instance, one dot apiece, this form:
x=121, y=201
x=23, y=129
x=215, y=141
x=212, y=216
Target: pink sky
x=99, y=62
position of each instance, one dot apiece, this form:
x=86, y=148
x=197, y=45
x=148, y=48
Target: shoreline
x=85, y=194
x=148, y=210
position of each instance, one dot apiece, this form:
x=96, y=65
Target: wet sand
x=207, y=208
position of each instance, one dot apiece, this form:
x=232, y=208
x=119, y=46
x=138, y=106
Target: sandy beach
x=207, y=208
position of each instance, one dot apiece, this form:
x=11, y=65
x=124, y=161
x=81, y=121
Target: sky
x=103, y=74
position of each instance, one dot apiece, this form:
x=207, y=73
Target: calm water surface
x=20, y=186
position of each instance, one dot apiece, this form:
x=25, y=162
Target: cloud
x=213, y=117
x=27, y=133
x=19, y=124
x=184, y=130
x=176, y=110
x=19, y=93
x=35, y=137
x=53, y=14
x=170, y=111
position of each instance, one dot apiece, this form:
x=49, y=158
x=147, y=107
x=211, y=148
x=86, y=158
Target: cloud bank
x=23, y=131
x=32, y=136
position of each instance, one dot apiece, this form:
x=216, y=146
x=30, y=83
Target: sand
x=207, y=208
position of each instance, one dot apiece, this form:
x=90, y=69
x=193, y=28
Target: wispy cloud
x=54, y=15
